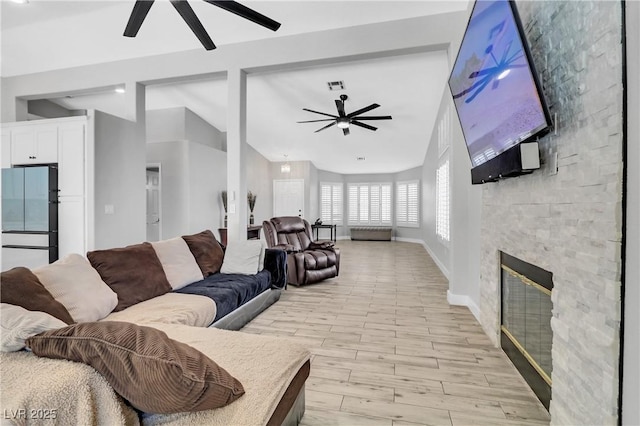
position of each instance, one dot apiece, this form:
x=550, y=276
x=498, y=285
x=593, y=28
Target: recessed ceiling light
x=120, y=90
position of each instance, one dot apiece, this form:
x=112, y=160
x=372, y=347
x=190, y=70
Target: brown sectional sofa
x=272, y=370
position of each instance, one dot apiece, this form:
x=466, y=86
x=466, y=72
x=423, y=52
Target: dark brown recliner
x=307, y=261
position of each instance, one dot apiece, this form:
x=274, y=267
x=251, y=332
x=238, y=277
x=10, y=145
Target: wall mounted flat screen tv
x=497, y=93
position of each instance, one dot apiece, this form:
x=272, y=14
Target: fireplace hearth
x=526, y=333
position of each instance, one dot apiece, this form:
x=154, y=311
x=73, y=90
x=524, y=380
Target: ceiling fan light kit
x=344, y=120
x=141, y=9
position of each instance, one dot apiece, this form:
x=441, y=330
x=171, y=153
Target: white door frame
x=159, y=167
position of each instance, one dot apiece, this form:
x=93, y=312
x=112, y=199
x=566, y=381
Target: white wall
x=207, y=172
x=631, y=356
x=192, y=178
x=259, y=181
x=120, y=160
x=180, y=123
x=172, y=157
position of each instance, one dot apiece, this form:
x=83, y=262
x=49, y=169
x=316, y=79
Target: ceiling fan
x=344, y=120
x=141, y=8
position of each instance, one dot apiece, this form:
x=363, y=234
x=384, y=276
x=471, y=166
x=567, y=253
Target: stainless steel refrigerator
x=29, y=216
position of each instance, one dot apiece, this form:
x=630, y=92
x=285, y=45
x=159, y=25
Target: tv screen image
x=494, y=85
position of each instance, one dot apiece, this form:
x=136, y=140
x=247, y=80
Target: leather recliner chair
x=307, y=261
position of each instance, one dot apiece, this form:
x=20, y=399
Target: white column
x=236, y=155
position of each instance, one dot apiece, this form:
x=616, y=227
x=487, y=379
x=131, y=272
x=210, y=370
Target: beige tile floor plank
x=384, y=328
x=481, y=407
x=524, y=411
x=416, y=351
x=330, y=373
x=392, y=358
x=354, y=365
x=334, y=352
x=397, y=382
x=348, y=337
x=488, y=393
x=357, y=345
x=313, y=417
x=395, y=411
x=468, y=377
x=461, y=418
x=341, y=387
x=363, y=331
x=402, y=423
x=322, y=400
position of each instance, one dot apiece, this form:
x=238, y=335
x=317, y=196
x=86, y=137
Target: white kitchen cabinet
x=36, y=144
x=65, y=142
x=28, y=258
x=5, y=142
x=71, y=226
x=71, y=159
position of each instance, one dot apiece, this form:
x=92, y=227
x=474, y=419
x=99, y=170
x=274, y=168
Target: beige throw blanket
x=80, y=395
x=42, y=391
x=265, y=365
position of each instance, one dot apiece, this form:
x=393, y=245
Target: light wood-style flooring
x=387, y=348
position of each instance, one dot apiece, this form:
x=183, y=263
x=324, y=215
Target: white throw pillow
x=18, y=324
x=243, y=257
x=73, y=282
x=178, y=262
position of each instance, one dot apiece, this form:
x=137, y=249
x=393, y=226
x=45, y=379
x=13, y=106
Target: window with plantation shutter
x=331, y=203
x=407, y=204
x=353, y=203
x=369, y=203
x=443, y=202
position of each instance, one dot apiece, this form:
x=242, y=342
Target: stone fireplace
x=525, y=326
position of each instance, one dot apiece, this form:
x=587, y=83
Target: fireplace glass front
x=526, y=322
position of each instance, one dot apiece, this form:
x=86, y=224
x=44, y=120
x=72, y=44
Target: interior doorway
x=154, y=206
x=288, y=197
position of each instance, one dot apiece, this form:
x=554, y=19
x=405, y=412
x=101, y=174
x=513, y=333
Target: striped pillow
x=154, y=373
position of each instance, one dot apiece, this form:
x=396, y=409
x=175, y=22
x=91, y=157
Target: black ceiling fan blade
x=325, y=127
x=247, y=13
x=363, y=110
x=315, y=121
x=340, y=107
x=345, y=131
x=374, y=117
x=366, y=126
x=139, y=12
x=189, y=16
x=321, y=113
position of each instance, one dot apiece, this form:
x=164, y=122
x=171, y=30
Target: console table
x=332, y=228
x=253, y=233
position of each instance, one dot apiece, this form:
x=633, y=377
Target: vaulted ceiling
x=48, y=34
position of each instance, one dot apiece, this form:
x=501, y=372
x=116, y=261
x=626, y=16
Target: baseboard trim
x=408, y=240
x=443, y=269
x=460, y=300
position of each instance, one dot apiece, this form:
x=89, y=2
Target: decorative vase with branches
x=224, y=205
x=251, y=200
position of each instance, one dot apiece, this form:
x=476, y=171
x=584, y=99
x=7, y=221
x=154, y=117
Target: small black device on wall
x=497, y=94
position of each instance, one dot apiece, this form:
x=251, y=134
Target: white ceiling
x=48, y=34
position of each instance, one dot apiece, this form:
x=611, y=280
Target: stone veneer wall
x=570, y=222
